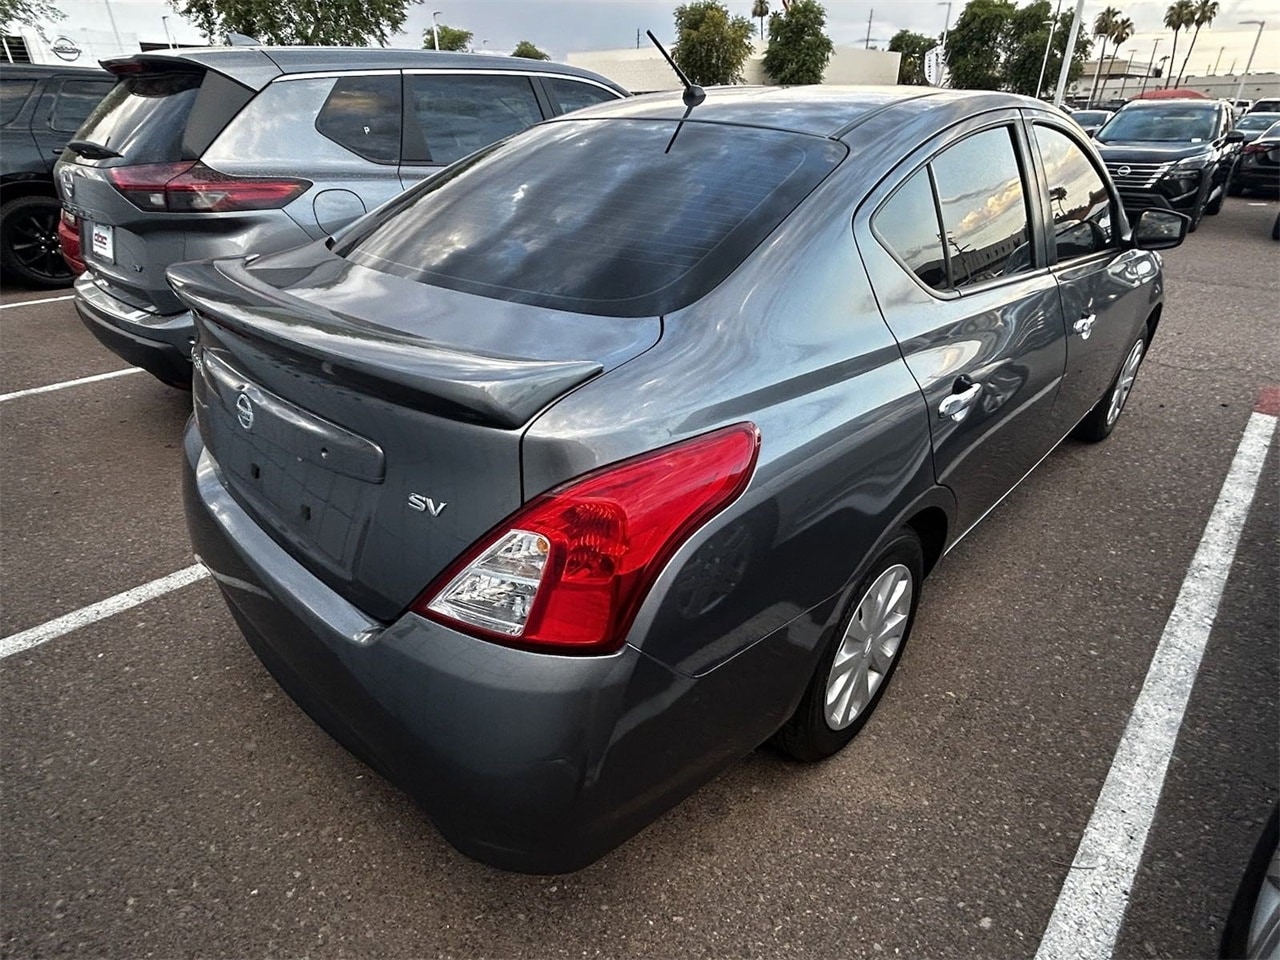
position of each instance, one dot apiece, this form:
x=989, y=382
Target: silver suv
x=214, y=153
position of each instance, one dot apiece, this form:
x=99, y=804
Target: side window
x=76, y=100
x=459, y=114
x=984, y=208
x=1082, y=221
x=573, y=95
x=363, y=115
x=13, y=94
x=908, y=225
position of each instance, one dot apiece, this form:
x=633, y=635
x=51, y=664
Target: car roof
x=824, y=111
x=46, y=70
x=258, y=65
x=1172, y=102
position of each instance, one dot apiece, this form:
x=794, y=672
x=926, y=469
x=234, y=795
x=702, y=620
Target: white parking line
x=1086, y=919
x=16, y=643
x=69, y=383
x=32, y=303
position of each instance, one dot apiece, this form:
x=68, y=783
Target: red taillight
x=69, y=241
x=191, y=187
x=568, y=572
x=1255, y=148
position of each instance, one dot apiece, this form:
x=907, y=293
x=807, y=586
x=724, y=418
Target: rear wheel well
x=27, y=188
x=1153, y=321
x=930, y=525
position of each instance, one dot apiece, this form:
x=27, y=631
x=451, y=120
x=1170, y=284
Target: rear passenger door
x=1101, y=284
x=450, y=115
x=951, y=242
x=66, y=105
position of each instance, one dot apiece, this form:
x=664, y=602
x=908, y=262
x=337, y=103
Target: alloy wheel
x=870, y=644
x=1124, y=382
x=34, y=246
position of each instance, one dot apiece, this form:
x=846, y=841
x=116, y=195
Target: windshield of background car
x=144, y=116
x=1167, y=123
x=596, y=216
x=1272, y=132
x=1257, y=121
x=1083, y=117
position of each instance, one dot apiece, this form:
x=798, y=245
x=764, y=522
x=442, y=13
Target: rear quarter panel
x=793, y=342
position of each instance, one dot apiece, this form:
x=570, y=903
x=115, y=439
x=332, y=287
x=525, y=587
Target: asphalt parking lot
x=162, y=797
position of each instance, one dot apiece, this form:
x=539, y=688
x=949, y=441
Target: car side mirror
x=1160, y=229
x=1234, y=136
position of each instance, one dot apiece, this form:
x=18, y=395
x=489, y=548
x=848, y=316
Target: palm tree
x=1122, y=32
x=1205, y=11
x=760, y=10
x=1103, y=27
x=1181, y=14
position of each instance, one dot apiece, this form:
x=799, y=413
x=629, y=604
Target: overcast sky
x=563, y=26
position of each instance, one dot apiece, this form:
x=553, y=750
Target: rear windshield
x=595, y=216
x=144, y=116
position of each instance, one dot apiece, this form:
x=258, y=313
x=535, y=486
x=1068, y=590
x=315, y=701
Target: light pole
x=1154, y=47
x=114, y=29
x=1048, y=45
x=435, y=28
x=1068, y=53
x=1218, y=61
x=946, y=24
x=167, y=35
x=1261, y=24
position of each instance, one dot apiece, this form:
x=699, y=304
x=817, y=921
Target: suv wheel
x=29, y=248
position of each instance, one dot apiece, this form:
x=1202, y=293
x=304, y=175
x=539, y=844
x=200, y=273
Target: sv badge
x=426, y=505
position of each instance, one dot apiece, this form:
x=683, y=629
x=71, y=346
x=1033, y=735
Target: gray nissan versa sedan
x=215, y=153
x=575, y=473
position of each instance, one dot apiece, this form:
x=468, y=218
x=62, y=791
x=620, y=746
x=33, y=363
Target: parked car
x=1254, y=125
x=1265, y=106
x=41, y=108
x=554, y=494
x=1091, y=121
x=1259, y=164
x=1252, y=929
x=203, y=153
x=1171, y=155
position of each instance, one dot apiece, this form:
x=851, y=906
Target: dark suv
x=214, y=153
x=41, y=108
x=1171, y=154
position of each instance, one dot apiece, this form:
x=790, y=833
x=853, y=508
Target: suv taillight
x=1255, y=148
x=568, y=572
x=191, y=187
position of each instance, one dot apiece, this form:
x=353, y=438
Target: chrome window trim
x=447, y=71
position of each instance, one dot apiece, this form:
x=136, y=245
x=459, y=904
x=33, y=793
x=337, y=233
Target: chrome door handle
x=1084, y=326
x=956, y=405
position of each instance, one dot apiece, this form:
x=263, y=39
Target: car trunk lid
x=372, y=424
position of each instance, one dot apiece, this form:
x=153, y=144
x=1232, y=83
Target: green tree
x=711, y=46
x=975, y=46
x=760, y=10
x=355, y=23
x=29, y=13
x=1122, y=33
x=1103, y=26
x=1180, y=15
x=454, y=39
x=799, y=48
x=913, y=47
x=1203, y=15
x=527, y=50
x=998, y=46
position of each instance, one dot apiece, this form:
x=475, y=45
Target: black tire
x=29, y=248
x=808, y=736
x=1196, y=215
x=1275, y=228
x=1215, y=208
x=1098, y=423
x=1235, y=932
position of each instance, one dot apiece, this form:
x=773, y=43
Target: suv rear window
x=596, y=216
x=144, y=117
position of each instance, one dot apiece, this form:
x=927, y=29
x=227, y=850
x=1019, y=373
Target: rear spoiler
x=246, y=66
x=474, y=387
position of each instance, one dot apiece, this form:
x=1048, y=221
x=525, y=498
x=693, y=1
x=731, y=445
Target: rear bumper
x=159, y=344
x=524, y=761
